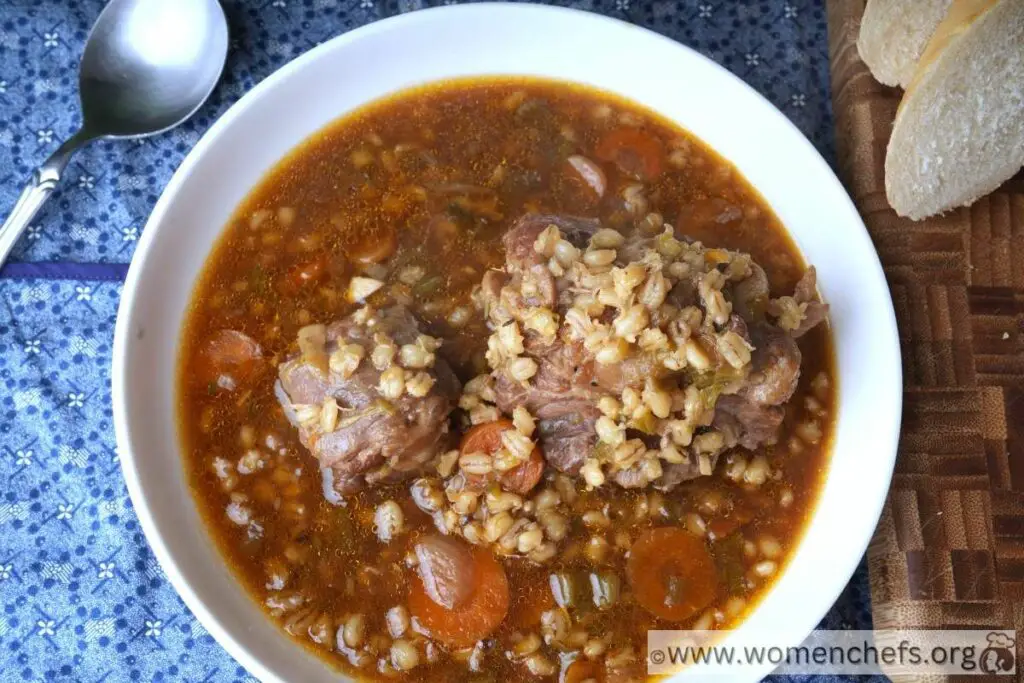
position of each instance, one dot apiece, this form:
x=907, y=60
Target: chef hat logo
x=999, y=656
x=1000, y=640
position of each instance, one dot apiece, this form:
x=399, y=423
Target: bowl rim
x=841, y=572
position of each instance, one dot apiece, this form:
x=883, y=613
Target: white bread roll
x=894, y=33
x=959, y=131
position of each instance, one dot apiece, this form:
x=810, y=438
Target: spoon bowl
x=148, y=66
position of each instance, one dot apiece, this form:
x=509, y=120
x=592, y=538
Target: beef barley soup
x=489, y=378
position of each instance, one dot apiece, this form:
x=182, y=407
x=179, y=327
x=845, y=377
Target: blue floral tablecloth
x=81, y=596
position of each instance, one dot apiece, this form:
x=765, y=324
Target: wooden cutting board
x=949, y=549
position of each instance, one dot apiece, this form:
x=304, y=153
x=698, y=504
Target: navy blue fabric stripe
x=114, y=272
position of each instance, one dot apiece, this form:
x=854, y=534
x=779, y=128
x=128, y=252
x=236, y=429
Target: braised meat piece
x=520, y=239
x=642, y=357
x=370, y=398
x=813, y=312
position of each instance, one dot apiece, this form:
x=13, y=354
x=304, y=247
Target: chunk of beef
x=629, y=372
x=489, y=295
x=564, y=392
x=519, y=239
x=675, y=474
x=525, y=265
x=750, y=295
x=561, y=395
x=775, y=366
x=806, y=292
x=752, y=416
x=563, y=399
x=746, y=422
x=567, y=431
x=374, y=439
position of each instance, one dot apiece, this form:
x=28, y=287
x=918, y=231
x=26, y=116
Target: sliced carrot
x=486, y=438
x=473, y=620
x=583, y=670
x=672, y=573
x=522, y=478
x=634, y=151
x=227, y=352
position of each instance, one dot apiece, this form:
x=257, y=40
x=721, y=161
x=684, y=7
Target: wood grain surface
x=949, y=549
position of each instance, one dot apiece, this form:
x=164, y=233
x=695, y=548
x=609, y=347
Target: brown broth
x=456, y=132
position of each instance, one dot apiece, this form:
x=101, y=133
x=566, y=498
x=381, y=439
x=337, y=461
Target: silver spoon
x=148, y=66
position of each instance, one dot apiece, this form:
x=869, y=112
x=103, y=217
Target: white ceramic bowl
x=498, y=39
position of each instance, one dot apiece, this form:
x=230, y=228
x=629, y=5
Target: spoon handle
x=40, y=187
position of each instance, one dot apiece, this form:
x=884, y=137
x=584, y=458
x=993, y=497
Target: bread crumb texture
x=959, y=131
x=894, y=33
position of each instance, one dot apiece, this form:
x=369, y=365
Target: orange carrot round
x=522, y=478
x=584, y=670
x=472, y=620
x=486, y=438
x=672, y=573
